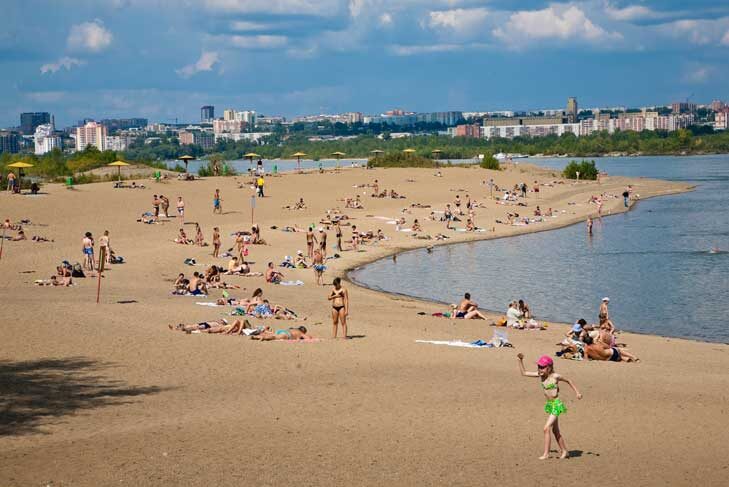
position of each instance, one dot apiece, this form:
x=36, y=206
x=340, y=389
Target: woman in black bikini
x=340, y=307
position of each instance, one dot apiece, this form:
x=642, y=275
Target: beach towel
x=213, y=305
x=291, y=283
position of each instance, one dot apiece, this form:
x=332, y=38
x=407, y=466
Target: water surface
x=654, y=262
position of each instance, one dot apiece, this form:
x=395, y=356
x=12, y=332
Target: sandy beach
x=100, y=394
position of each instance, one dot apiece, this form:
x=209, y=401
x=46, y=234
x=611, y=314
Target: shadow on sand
x=37, y=393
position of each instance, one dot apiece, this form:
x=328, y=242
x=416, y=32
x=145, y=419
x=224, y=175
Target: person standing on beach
x=554, y=407
x=11, y=181
x=626, y=197
x=87, y=247
x=216, y=242
x=105, y=248
x=318, y=266
x=165, y=204
x=310, y=240
x=181, y=209
x=155, y=205
x=340, y=307
x=217, y=203
x=457, y=204
x=259, y=184
x=355, y=238
x=338, y=230
x=323, y=242
x=589, y=226
x=603, y=314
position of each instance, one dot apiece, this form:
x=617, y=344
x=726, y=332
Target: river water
x=654, y=262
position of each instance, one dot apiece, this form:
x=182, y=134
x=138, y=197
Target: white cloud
x=244, y=25
x=698, y=74
x=65, y=62
x=462, y=20
x=254, y=42
x=403, y=50
x=725, y=39
x=89, y=36
x=385, y=19
x=699, y=32
x=554, y=22
x=207, y=60
x=631, y=12
x=285, y=7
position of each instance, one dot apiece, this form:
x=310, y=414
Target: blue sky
x=163, y=59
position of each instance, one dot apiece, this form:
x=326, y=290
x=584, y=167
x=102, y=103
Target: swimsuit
x=553, y=406
x=283, y=332
x=319, y=267
x=89, y=250
x=615, y=357
x=460, y=314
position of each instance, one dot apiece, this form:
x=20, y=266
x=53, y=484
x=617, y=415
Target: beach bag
x=501, y=321
x=77, y=270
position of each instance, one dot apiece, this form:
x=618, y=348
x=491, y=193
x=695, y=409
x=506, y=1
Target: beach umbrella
x=436, y=153
x=377, y=152
x=409, y=152
x=186, y=160
x=250, y=156
x=338, y=155
x=298, y=157
x=20, y=165
x=118, y=165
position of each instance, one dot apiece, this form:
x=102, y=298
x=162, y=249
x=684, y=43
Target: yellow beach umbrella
x=298, y=157
x=250, y=156
x=409, y=151
x=186, y=160
x=20, y=165
x=338, y=155
x=118, y=165
x=377, y=152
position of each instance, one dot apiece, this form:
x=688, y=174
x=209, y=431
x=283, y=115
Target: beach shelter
x=376, y=153
x=436, y=153
x=20, y=165
x=409, y=152
x=338, y=155
x=118, y=165
x=250, y=157
x=186, y=160
x=298, y=157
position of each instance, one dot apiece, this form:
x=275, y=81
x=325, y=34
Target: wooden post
x=102, y=259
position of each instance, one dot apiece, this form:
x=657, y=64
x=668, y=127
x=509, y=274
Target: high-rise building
x=9, y=142
x=683, y=107
x=717, y=105
x=45, y=139
x=207, y=114
x=197, y=137
x=229, y=126
x=228, y=114
x=114, y=124
x=91, y=134
x=572, y=109
x=30, y=120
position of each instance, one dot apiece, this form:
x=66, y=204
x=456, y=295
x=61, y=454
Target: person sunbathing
x=272, y=275
x=416, y=226
x=299, y=205
x=218, y=326
x=301, y=262
x=597, y=350
x=294, y=333
x=182, y=238
x=20, y=236
x=468, y=309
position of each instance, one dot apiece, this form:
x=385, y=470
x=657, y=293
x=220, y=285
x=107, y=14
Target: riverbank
x=95, y=394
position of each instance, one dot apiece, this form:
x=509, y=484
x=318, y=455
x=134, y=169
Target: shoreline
x=346, y=273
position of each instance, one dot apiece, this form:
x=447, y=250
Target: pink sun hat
x=545, y=361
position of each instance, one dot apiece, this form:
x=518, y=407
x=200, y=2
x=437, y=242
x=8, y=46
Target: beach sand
x=100, y=394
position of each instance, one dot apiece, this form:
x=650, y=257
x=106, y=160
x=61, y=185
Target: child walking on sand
x=554, y=407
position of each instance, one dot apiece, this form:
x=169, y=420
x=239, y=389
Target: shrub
x=402, y=160
x=490, y=162
x=587, y=170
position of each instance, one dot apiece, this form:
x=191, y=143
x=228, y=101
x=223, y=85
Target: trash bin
x=69, y=181
x=275, y=168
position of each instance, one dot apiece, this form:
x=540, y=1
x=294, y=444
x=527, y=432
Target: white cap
x=321, y=229
x=299, y=252
x=606, y=299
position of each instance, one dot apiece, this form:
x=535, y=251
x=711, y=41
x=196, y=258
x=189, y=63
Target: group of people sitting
x=199, y=283
x=519, y=316
x=596, y=342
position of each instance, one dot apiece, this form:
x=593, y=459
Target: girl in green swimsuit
x=554, y=406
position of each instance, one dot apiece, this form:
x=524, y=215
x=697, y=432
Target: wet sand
x=101, y=394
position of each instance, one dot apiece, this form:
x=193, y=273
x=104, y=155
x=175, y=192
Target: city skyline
x=128, y=58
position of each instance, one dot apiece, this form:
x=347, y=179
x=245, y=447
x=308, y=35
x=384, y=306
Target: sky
x=164, y=59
